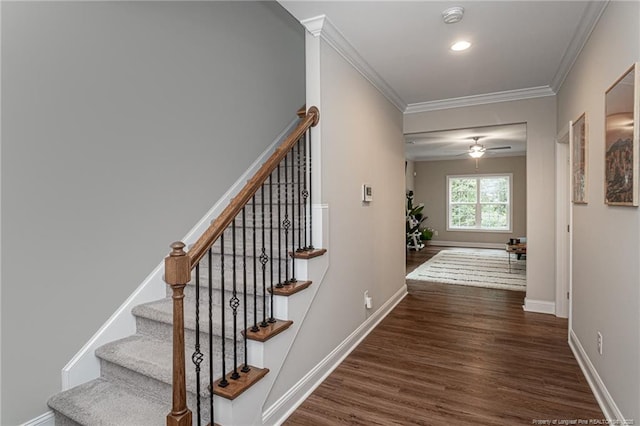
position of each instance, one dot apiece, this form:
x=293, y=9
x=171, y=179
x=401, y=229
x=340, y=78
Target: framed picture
x=621, y=140
x=579, y=156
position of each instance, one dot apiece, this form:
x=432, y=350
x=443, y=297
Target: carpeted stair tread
x=143, y=354
x=153, y=358
x=102, y=403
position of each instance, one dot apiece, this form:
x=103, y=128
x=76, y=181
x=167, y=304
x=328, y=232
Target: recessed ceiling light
x=460, y=45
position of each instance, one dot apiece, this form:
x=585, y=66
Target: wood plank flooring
x=455, y=355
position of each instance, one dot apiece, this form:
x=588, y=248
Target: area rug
x=473, y=267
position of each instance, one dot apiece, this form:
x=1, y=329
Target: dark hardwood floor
x=455, y=355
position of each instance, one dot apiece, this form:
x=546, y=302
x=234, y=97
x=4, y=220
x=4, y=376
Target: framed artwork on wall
x=621, y=140
x=579, y=157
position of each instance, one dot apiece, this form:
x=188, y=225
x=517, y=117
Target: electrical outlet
x=599, y=343
x=435, y=233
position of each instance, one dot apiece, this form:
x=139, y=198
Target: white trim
x=488, y=98
x=321, y=26
x=46, y=419
x=279, y=411
x=563, y=210
x=587, y=23
x=539, y=306
x=605, y=400
x=84, y=365
x=467, y=244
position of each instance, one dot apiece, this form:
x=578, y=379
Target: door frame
x=564, y=225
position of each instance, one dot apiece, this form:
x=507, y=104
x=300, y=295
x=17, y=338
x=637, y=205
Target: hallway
x=455, y=355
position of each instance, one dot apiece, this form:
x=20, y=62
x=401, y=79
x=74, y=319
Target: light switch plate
x=367, y=193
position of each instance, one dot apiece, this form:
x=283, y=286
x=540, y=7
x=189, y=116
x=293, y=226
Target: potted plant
x=426, y=234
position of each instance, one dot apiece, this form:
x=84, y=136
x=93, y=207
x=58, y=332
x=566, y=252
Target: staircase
x=233, y=307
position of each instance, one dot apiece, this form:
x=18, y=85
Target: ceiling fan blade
x=499, y=147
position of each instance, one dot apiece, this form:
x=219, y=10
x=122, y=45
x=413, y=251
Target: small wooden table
x=517, y=249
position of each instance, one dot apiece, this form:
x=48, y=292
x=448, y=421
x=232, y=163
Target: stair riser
x=165, y=331
x=290, y=237
x=280, y=271
x=61, y=420
x=159, y=389
x=219, y=298
x=190, y=293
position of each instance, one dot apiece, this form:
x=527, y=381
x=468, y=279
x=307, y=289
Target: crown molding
x=588, y=21
x=321, y=26
x=489, y=98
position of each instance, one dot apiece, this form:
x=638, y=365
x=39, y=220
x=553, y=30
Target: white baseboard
x=466, y=244
x=539, y=306
x=46, y=419
x=84, y=365
x=277, y=413
x=608, y=406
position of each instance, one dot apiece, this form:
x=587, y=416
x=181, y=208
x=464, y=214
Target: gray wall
x=431, y=189
x=123, y=123
x=606, y=239
x=361, y=142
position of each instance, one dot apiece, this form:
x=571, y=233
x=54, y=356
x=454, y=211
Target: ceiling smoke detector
x=453, y=15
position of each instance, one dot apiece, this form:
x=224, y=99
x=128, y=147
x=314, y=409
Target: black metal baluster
x=299, y=204
x=245, y=367
x=310, y=193
x=223, y=383
x=305, y=191
x=234, y=302
x=286, y=222
x=210, y=283
x=196, y=358
x=255, y=328
x=290, y=254
x=280, y=257
x=263, y=260
x=271, y=318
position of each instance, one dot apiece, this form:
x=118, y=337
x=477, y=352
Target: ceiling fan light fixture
x=476, y=154
x=453, y=14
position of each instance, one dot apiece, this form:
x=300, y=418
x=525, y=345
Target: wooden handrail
x=217, y=227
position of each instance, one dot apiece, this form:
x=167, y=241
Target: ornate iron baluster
x=197, y=356
x=271, y=318
x=299, y=204
x=280, y=257
x=286, y=223
x=305, y=191
x=245, y=367
x=293, y=218
x=263, y=260
x=234, y=302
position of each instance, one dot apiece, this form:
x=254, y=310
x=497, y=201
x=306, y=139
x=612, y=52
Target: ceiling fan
x=477, y=150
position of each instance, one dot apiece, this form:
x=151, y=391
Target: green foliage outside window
x=479, y=202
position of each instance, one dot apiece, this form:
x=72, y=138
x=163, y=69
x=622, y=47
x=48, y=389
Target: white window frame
x=478, y=227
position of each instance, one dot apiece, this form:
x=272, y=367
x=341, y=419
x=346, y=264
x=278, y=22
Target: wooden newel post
x=177, y=273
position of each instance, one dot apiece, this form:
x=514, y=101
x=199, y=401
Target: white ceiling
x=521, y=49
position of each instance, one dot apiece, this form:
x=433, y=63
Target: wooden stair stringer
x=272, y=353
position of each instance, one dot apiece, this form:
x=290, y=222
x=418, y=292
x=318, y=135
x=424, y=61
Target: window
x=479, y=202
